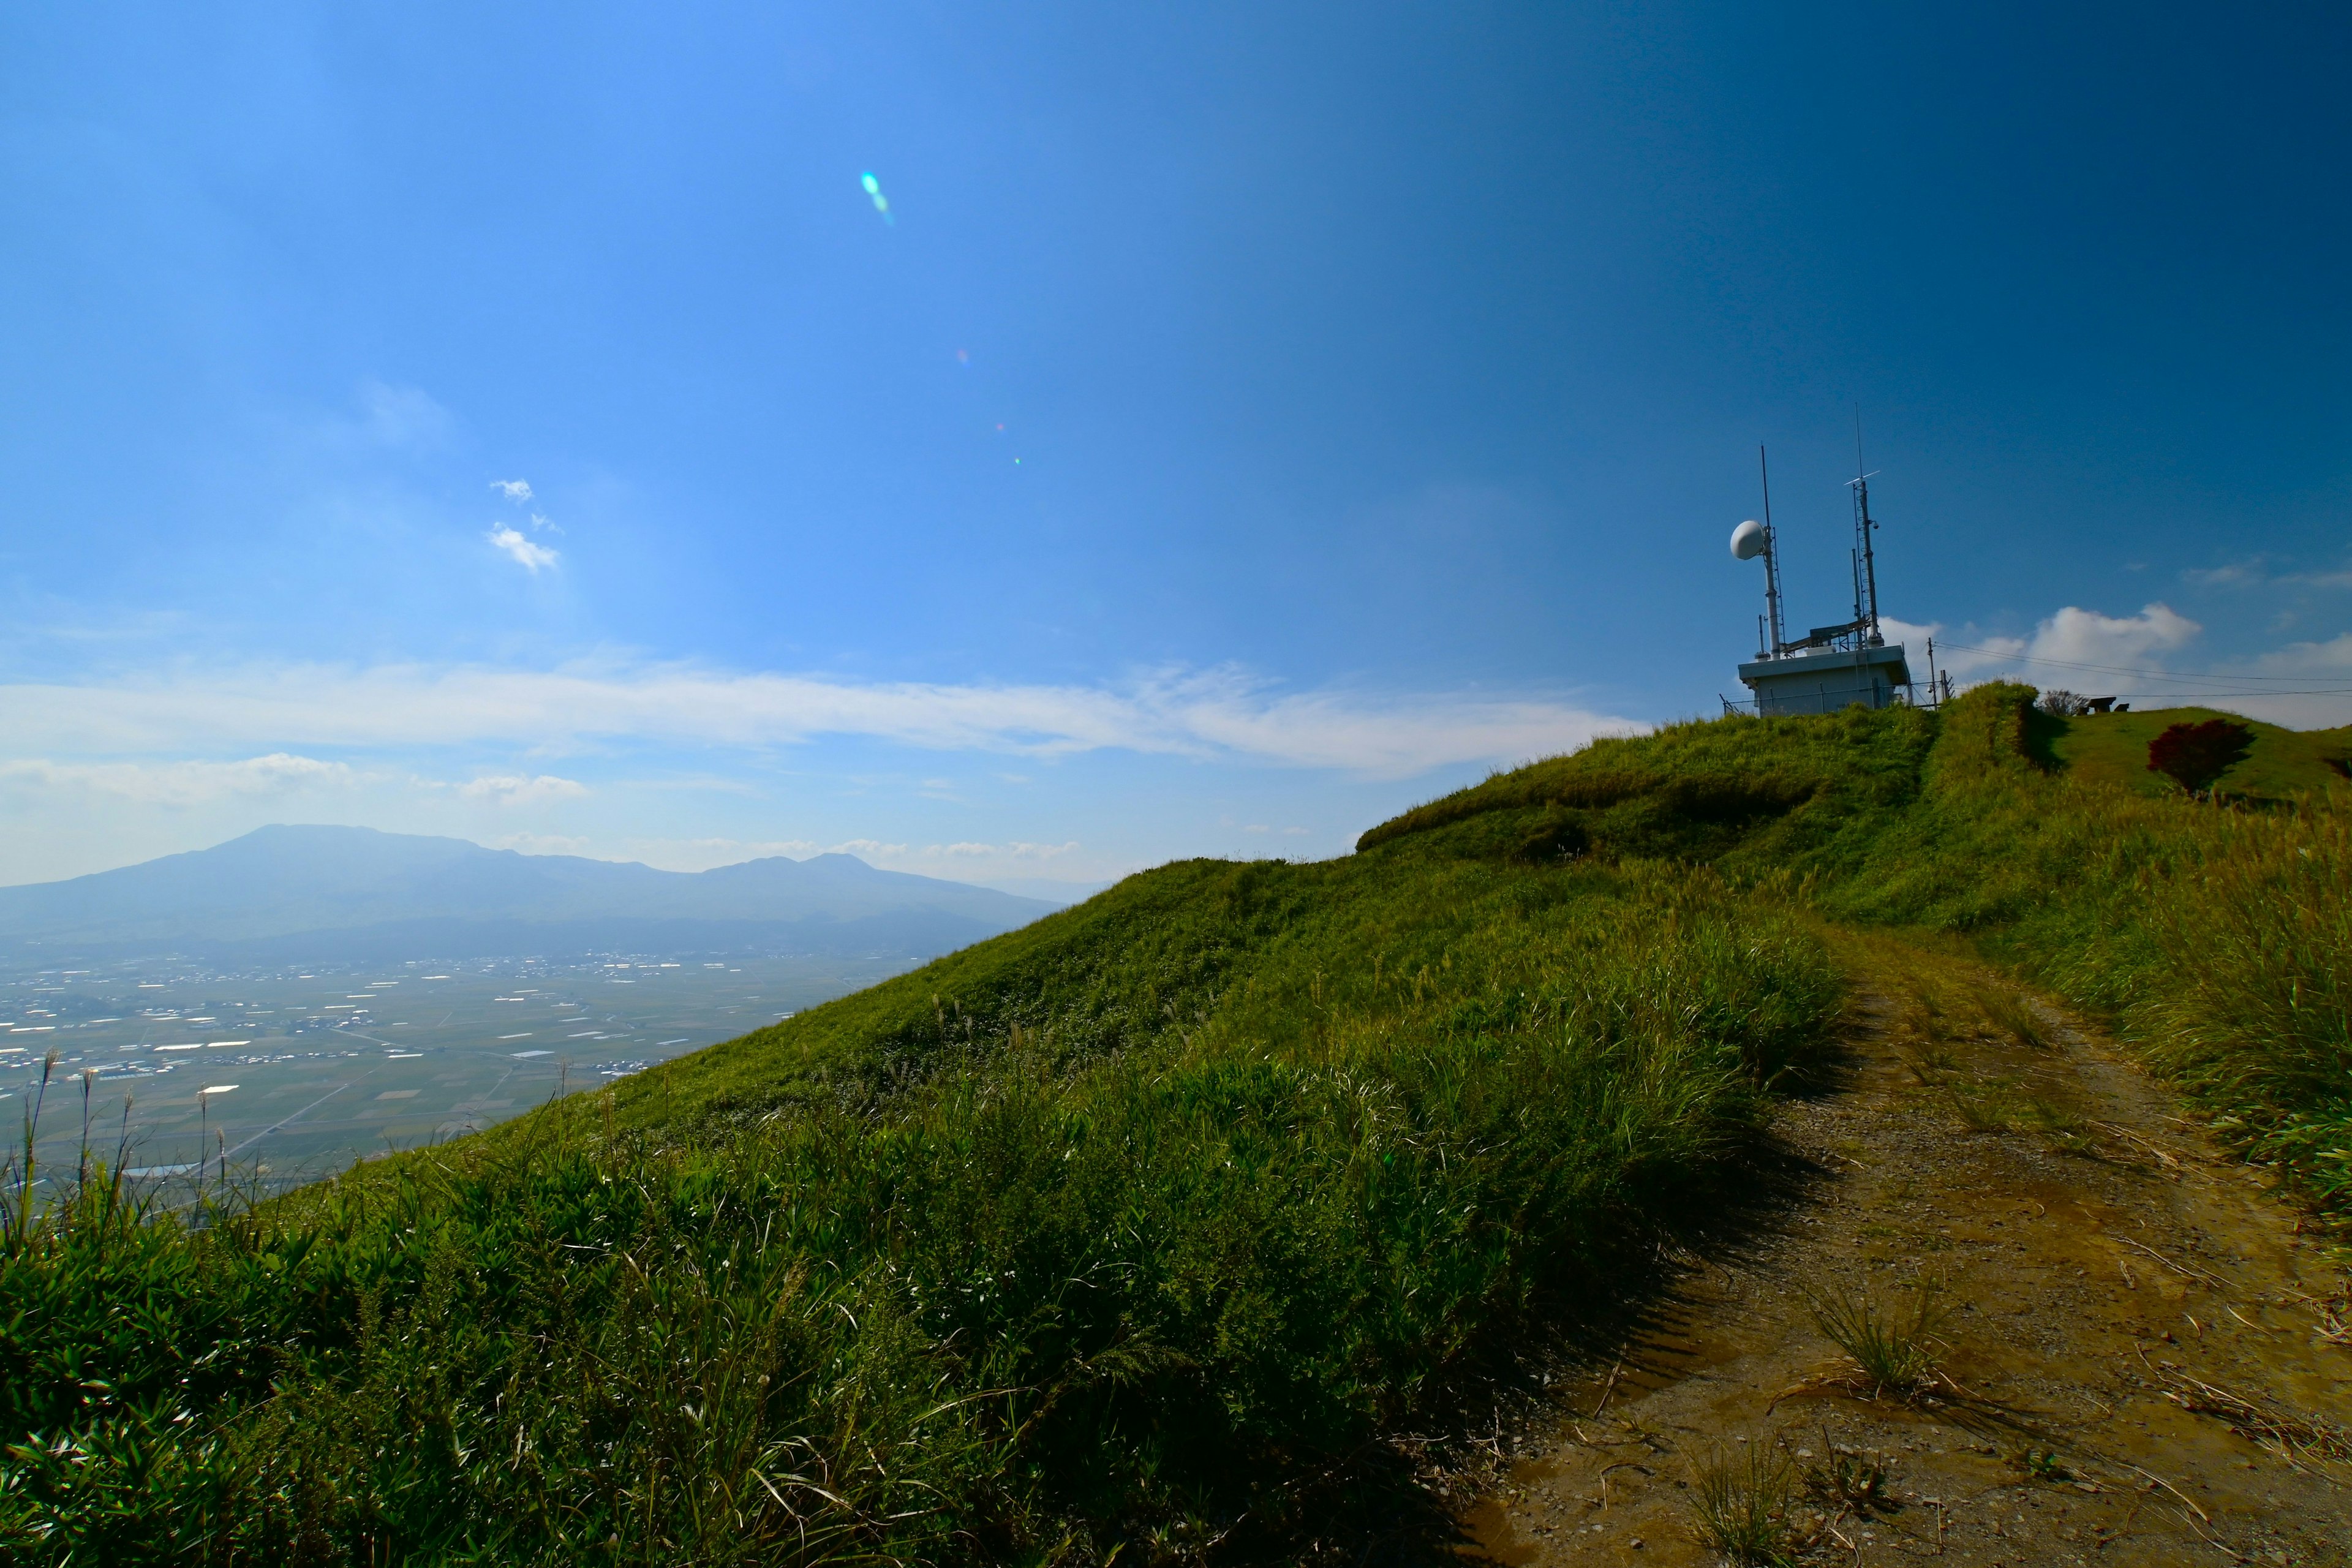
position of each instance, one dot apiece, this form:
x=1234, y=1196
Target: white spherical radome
x=1748, y=540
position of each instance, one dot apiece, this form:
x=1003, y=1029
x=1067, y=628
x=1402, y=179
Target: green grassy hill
x=2112, y=748
x=1141, y=1233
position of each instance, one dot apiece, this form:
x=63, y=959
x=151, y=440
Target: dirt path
x=2140, y=1362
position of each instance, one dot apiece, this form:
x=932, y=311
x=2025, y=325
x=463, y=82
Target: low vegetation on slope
x=1130, y=1234
x=2216, y=932
x=1136, y=1232
x=2112, y=748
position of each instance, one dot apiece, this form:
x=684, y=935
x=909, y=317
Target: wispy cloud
x=2331, y=659
x=517, y=789
x=868, y=848
x=962, y=861
x=518, y=492
x=1222, y=714
x=541, y=844
x=2255, y=572
x=2311, y=678
x=181, y=782
x=526, y=551
x=702, y=854
x=404, y=416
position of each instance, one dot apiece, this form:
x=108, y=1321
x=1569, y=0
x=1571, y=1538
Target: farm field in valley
x=295, y=1074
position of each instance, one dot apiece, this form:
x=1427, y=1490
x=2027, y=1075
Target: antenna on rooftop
x=1752, y=539
x=1771, y=555
x=1865, y=562
x=1830, y=668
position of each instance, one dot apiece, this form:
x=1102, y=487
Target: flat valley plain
x=289, y=1074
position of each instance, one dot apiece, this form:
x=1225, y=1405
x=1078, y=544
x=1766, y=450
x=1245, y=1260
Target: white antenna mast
x=1752, y=539
x=1865, y=564
x=1772, y=558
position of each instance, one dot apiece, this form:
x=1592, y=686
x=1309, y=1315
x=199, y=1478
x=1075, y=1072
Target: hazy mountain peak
x=449, y=896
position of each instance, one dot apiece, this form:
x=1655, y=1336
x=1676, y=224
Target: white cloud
x=517, y=789
x=2085, y=636
x=1213, y=714
x=868, y=848
x=183, y=783
x=1015, y=851
x=526, y=554
x=755, y=849
x=518, y=492
x=2301, y=685
x=1968, y=655
x=2311, y=678
x=2330, y=660
x=2072, y=636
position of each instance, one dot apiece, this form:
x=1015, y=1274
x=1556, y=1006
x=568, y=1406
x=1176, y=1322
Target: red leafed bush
x=2194, y=755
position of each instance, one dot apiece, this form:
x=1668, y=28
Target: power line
x=2115, y=670
x=2266, y=692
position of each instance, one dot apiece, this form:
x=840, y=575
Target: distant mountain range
x=335, y=894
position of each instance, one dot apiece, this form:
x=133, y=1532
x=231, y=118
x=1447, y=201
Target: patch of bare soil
x=2093, y=1335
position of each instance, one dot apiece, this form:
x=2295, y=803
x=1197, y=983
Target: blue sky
x=1244, y=421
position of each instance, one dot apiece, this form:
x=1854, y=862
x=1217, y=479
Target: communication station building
x=1830, y=668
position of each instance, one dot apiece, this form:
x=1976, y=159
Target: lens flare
x=873, y=189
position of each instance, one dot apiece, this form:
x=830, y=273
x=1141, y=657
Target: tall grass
x=1134, y=1234
x=2252, y=1008
x=1742, y=1504
x=2215, y=934
x=1891, y=1346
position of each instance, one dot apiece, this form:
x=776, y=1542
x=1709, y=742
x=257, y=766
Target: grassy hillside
x=1138, y=1233
x=1131, y=1232
x=2215, y=933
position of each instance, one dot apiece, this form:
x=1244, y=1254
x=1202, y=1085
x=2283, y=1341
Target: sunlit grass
x=1742, y=1502
x=1890, y=1344
x=1136, y=1229
x=1127, y=1228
